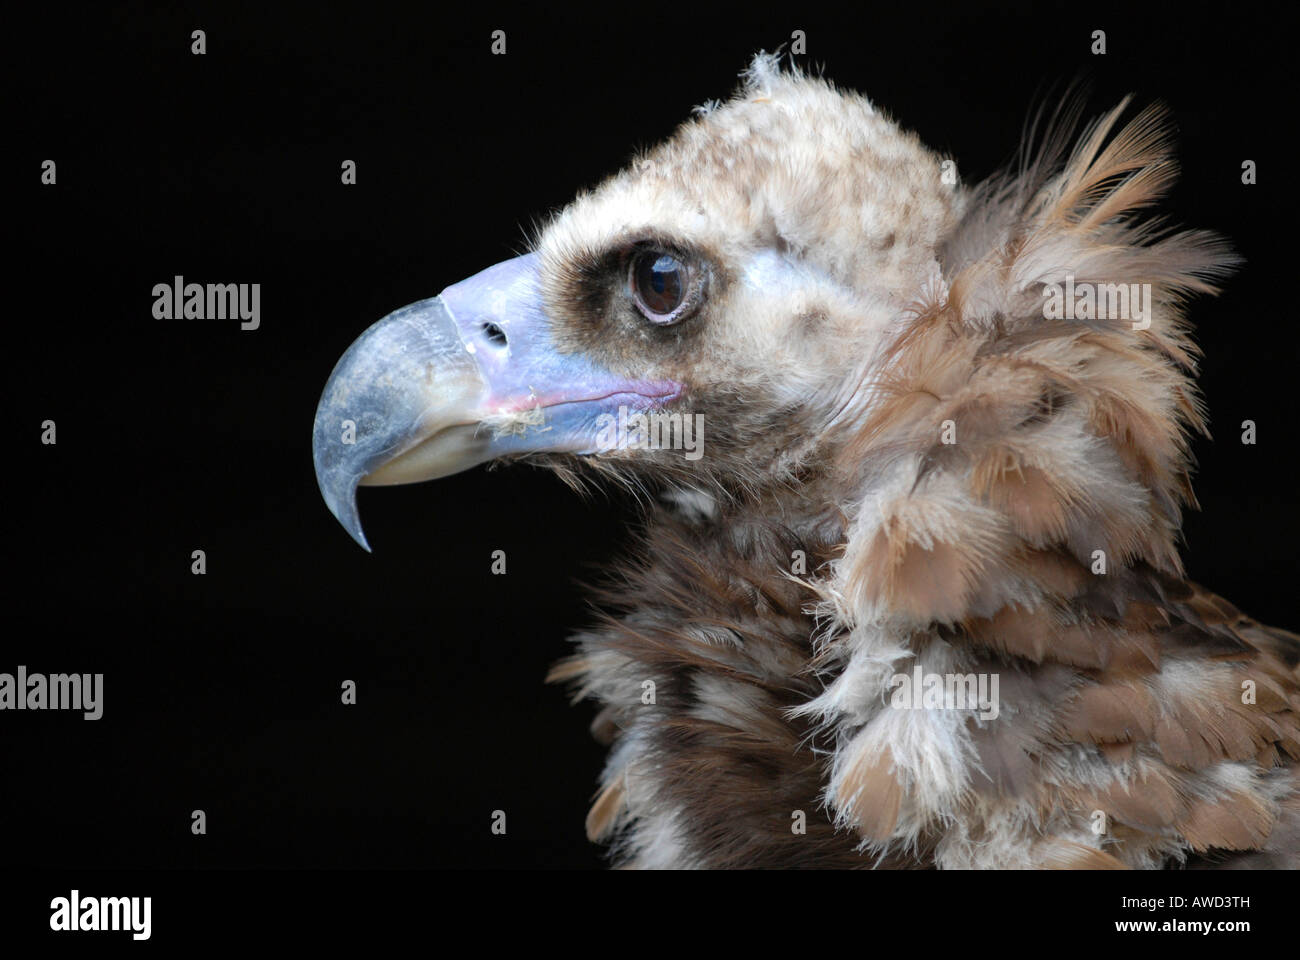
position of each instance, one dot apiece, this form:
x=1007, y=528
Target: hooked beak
x=466, y=377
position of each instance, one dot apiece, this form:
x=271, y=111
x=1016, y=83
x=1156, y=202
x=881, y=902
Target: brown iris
x=659, y=284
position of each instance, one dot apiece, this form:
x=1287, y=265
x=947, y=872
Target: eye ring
x=664, y=286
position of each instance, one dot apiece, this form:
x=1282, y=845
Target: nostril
x=495, y=334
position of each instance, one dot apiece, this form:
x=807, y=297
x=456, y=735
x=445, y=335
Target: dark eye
x=660, y=284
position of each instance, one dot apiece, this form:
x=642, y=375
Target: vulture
x=908, y=590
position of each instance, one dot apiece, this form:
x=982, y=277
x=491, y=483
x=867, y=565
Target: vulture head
x=911, y=595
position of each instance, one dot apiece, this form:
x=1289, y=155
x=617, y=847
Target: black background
x=222, y=691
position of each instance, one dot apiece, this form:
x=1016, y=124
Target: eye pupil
x=663, y=271
x=660, y=283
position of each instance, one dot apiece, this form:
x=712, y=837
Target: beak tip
x=342, y=502
x=338, y=483
x=360, y=538
x=356, y=533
